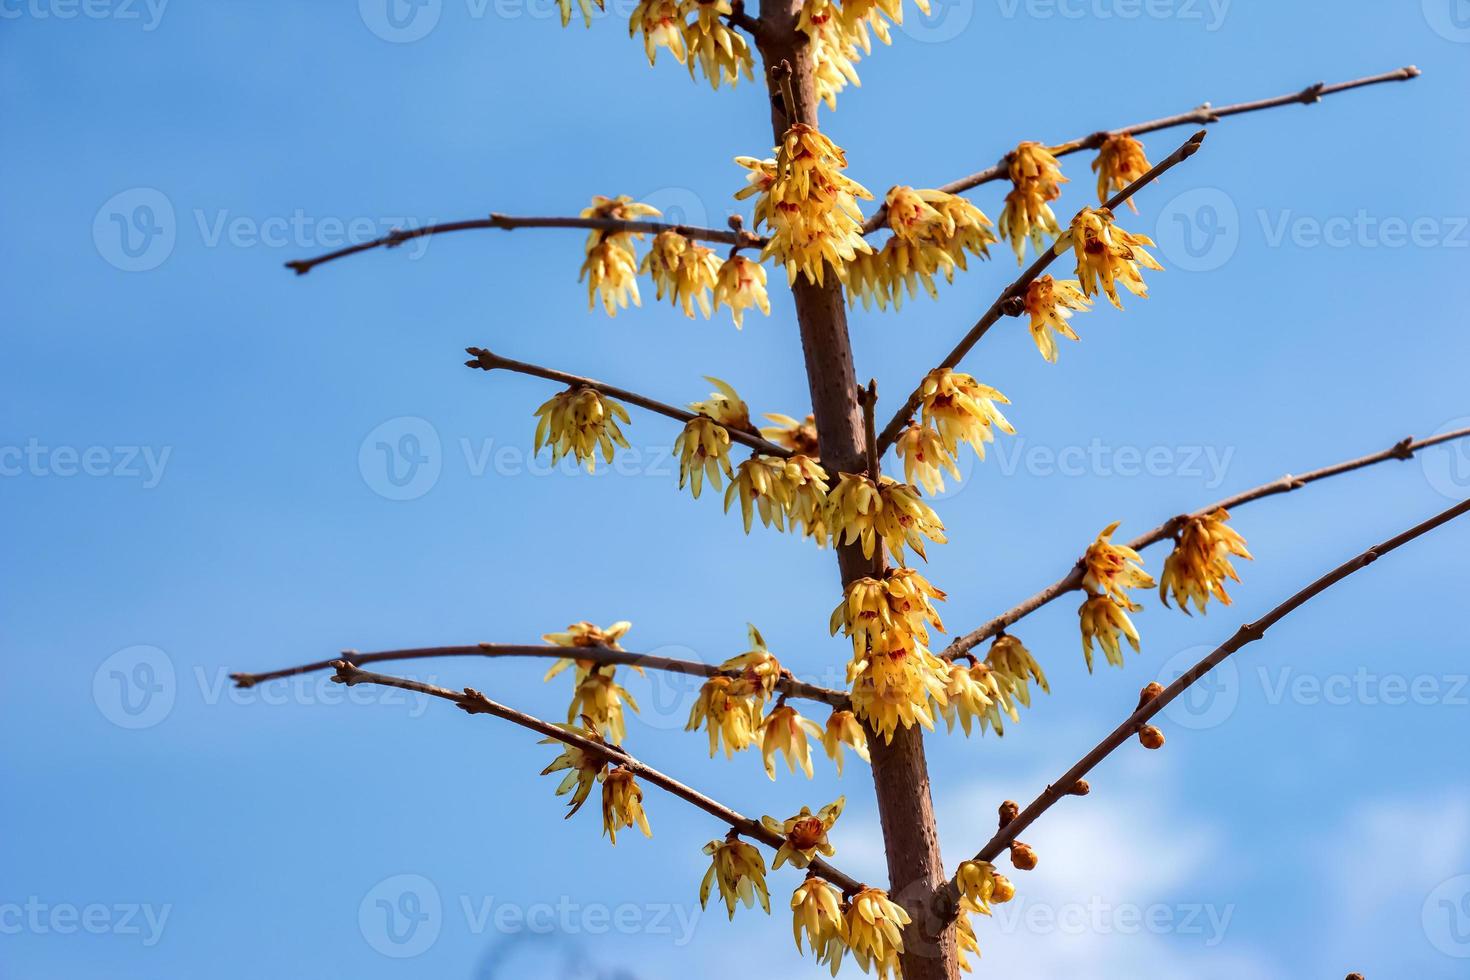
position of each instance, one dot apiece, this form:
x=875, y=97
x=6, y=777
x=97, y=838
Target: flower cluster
x=1108, y=255
x=1120, y=161
x=610, y=267
x=1200, y=562
x=740, y=872
x=597, y=698
x=730, y=704
x=860, y=512
x=739, y=285
x=1109, y=570
x=933, y=232
x=792, y=489
x=804, y=836
x=1050, y=304
x=808, y=204
x=580, y=421
x=875, y=932
x=961, y=410
x=585, y=769
x=972, y=694
x=1013, y=668
x=840, y=34
x=705, y=40
x=686, y=270
x=1037, y=180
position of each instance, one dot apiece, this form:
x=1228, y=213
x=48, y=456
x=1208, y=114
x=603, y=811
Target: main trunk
x=900, y=774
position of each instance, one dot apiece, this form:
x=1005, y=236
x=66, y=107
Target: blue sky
x=192, y=486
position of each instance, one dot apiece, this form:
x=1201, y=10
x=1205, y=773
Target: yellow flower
x=875, y=932
x=834, y=53
x=1120, y=161
x=973, y=692
x=661, y=22
x=1105, y=620
x=977, y=881
x=724, y=406
x=785, y=731
x=808, y=204
x=722, y=53
x=622, y=804
x=1108, y=254
x=843, y=728
x=703, y=449
x=687, y=270
x=1200, y=562
x=806, y=502
x=757, y=670
x=740, y=285
x=894, y=685
x=1037, y=178
x=725, y=710
x=805, y=834
x=586, y=5
x=816, y=911
x=908, y=595
x=1110, y=569
x=946, y=221
x=611, y=273
x=760, y=483
x=904, y=519
x=580, y=421
x=585, y=634
x=924, y=456
x=620, y=208
x=962, y=409
x=852, y=511
x=799, y=437
x=1014, y=668
x=1051, y=304
x=965, y=939
x=739, y=870
x=599, y=699
x=585, y=770
x=898, y=605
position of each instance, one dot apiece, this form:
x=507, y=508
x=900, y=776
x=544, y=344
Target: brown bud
x=1151, y=737
x=1023, y=858
x=1354, y=976
x=1080, y=788
x=1009, y=811
x=1002, y=890
x=1146, y=695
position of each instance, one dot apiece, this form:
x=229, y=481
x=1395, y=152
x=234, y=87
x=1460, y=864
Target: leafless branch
x=505, y=222
x=475, y=703
x=1201, y=116
x=1249, y=633
x=1403, y=449
x=601, y=655
x=488, y=361
x=1010, y=300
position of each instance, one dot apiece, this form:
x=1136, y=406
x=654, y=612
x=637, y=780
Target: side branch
x=488, y=361
x=1009, y=303
x=1072, y=581
x=1249, y=633
x=505, y=222
x=787, y=685
x=1204, y=115
x=475, y=703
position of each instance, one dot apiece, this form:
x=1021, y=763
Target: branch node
x=243, y=681
x=1404, y=448
x=473, y=702
x=1009, y=810
x=1312, y=93
x=781, y=79
x=1013, y=305
x=482, y=359
x=346, y=672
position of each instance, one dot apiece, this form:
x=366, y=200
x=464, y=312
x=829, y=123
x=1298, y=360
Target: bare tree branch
x=475, y=703
x=505, y=222
x=787, y=685
x=1246, y=634
x=1403, y=449
x=1201, y=116
x=487, y=361
x=1009, y=303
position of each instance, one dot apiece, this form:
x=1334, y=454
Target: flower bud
x=1004, y=891
x=1150, y=737
x=1146, y=695
x=1009, y=811
x=1080, y=788
x=1023, y=858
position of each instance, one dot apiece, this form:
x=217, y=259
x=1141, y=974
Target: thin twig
x=1403, y=449
x=870, y=407
x=488, y=361
x=1201, y=116
x=1249, y=633
x=1009, y=303
x=475, y=703
x=600, y=655
x=505, y=222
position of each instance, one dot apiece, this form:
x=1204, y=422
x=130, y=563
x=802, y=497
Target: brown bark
x=900, y=773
